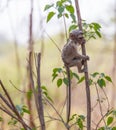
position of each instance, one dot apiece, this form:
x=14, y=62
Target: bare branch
x=41, y=111
x=100, y=106
x=14, y=108
x=88, y=98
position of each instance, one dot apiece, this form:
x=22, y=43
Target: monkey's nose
x=83, y=42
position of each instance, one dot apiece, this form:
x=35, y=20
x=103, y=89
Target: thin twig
x=41, y=111
x=6, y=102
x=14, y=108
x=10, y=114
x=100, y=106
x=53, y=42
x=65, y=27
x=16, y=87
x=32, y=83
x=106, y=99
x=102, y=118
x=62, y=120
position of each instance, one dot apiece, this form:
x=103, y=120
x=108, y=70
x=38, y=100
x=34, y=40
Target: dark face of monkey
x=77, y=36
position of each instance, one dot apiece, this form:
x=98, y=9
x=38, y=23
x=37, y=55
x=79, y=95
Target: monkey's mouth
x=82, y=41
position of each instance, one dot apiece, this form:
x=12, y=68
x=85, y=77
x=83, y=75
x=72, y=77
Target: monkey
x=70, y=55
x=71, y=58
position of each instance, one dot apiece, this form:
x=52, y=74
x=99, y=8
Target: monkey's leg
x=79, y=67
x=78, y=63
x=84, y=69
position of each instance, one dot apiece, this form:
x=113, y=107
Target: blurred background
x=15, y=38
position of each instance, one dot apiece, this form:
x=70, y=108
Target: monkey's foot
x=83, y=70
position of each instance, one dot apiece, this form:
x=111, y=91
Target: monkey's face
x=80, y=39
x=77, y=37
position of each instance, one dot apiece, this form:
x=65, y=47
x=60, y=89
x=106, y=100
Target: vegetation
x=41, y=105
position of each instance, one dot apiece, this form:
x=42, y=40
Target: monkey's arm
x=83, y=57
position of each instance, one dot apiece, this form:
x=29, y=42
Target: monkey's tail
x=68, y=89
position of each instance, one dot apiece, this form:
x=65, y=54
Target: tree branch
x=41, y=111
x=86, y=73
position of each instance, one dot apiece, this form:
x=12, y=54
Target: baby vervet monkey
x=70, y=55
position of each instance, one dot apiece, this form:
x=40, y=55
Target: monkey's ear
x=71, y=36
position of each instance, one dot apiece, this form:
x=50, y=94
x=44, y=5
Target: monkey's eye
x=80, y=38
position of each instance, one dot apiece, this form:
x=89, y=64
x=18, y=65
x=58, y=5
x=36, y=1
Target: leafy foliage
x=50, y=15
x=12, y=122
x=91, y=30
x=64, y=8
x=79, y=120
x=110, y=120
x=61, y=75
x=100, y=79
x=22, y=109
x=61, y=8
x=45, y=93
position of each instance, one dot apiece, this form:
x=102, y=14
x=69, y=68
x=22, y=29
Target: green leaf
x=70, y=9
x=114, y=113
x=19, y=108
x=29, y=94
x=81, y=79
x=54, y=76
x=102, y=75
x=25, y=109
x=59, y=16
x=22, y=129
x=48, y=7
x=75, y=75
x=59, y=82
x=110, y=120
x=69, y=1
x=94, y=74
x=49, y=98
x=65, y=80
x=1, y=119
x=57, y=70
x=96, y=25
x=44, y=88
x=101, y=83
x=102, y=128
x=66, y=15
x=45, y=93
x=72, y=27
x=114, y=128
x=82, y=117
x=61, y=9
x=108, y=79
x=58, y=3
x=73, y=18
x=90, y=81
x=73, y=116
x=98, y=33
x=50, y=15
x=12, y=122
x=71, y=74
x=80, y=123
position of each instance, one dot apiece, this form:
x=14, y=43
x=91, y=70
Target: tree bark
x=88, y=98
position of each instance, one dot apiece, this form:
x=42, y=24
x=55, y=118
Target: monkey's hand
x=85, y=58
